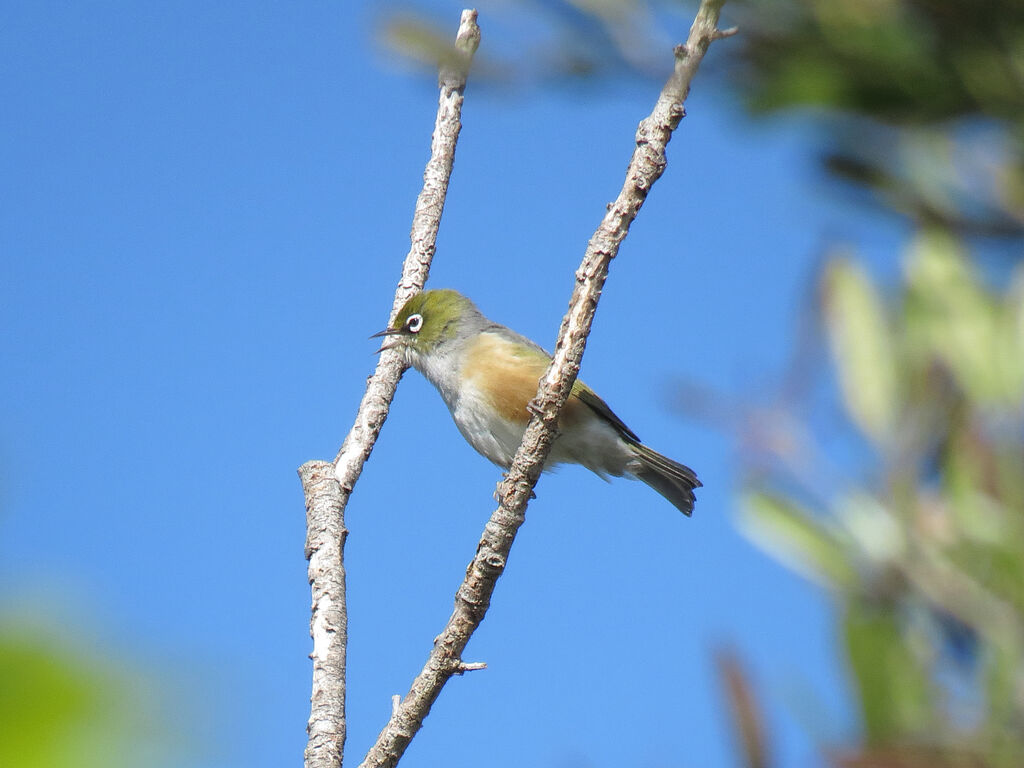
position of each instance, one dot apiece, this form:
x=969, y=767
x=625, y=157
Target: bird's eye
x=414, y=323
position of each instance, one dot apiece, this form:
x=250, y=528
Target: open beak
x=391, y=343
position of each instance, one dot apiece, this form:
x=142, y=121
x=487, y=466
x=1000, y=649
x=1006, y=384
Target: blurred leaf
x=896, y=696
x=50, y=705
x=879, y=537
x=793, y=536
x=419, y=40
x=951, y=318
x=969, y=473
x=1002, y=728
x=862, y=348
x=61, y=709
x=1010, y=341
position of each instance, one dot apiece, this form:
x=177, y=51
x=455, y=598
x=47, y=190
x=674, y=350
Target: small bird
x=487, y=374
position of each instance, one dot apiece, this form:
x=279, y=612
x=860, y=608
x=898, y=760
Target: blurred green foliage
x=909, y=62
x=63, y=708
x=925, y=98
x=921, y=102
x=925, y=557
x=926, y=560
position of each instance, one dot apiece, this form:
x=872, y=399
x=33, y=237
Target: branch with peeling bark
x=474, y=595
x=327, y=486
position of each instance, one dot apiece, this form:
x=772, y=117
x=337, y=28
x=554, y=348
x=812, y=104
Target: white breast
x=494, y=437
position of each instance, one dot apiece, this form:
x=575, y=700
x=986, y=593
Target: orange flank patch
x=508, y=374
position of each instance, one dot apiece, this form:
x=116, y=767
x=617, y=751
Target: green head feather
x=431, y=318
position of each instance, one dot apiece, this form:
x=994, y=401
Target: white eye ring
x=414, y=323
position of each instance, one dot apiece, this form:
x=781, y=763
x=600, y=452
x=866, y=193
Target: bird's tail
x=671, y=479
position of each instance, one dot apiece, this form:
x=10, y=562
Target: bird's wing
x=589, y=398
x=580, y=391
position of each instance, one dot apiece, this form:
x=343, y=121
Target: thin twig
x=328, y=486
x=473, y=597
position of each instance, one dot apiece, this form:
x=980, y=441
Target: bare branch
x=430, y=203
x=328, y=487
x=473, y=597
x=328, y=626
x=423, y=237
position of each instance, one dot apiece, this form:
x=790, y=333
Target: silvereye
x=487, y=373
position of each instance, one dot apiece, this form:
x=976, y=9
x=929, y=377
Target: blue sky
x=204, y=212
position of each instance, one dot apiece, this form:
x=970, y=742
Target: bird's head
x=427, y=321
